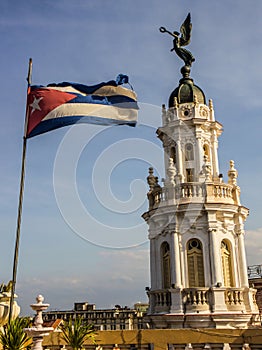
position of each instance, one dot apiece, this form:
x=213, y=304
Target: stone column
x=153, y=268
x=175, y=260
x=215, y=258
x=214, y=154
x=178, y=282
x=199, y=157
x=242, y=260
x=176, y=291
x=180, y=169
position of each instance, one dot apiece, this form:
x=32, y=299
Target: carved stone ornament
x=204, y=112
x=171, y=172
x=232, y=174
x=151, y=180
x=186, y=111
x=205, y=141
x=168, y=141
x=190, y=139
x=5, y=308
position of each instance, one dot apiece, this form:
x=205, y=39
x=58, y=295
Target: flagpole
x=20, y=204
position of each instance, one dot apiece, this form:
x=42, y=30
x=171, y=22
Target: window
x=190, y=175
x=165, y=252
x=226, y=264
x=189, y=152
x=195, y=264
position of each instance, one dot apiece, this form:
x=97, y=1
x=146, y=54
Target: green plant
x=75, y=332
x=13, y=336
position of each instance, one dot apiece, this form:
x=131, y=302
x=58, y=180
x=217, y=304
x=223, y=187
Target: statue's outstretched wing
x=185, y=31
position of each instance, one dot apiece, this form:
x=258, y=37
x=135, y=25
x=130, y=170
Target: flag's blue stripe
x=85, y=88
x=119, y=100
x=52, y=124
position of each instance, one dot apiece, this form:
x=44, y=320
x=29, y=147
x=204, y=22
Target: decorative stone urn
x=5, y=308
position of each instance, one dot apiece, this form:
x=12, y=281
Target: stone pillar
x=215, y=259
x=219, y=303
x=177, y=282
x=153, y=267
x=184, y=274
x=242, y=260
x=214, y=154
x=180, y=169
x=199, y=157
x=175, y=261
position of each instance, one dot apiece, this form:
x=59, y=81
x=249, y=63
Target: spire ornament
x=182, y=39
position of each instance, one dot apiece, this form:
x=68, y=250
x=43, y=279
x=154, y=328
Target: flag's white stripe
x=103, y=91
x=84, y=109
x=115, y=90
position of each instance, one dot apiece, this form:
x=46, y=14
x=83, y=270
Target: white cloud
x=253, y=245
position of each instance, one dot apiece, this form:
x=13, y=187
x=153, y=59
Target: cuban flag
x=57, y=105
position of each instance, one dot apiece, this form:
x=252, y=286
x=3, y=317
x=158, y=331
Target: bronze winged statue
x=182, y=40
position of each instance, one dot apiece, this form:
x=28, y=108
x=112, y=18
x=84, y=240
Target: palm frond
x=75, y=332
x=13, y=336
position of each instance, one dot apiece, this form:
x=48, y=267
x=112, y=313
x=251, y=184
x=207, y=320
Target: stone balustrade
x=234, y=298
x=220, y=193
x=197, y=299
x=162, y=300
x=191, y=192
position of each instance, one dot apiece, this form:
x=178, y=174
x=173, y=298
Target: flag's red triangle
x=41, y=101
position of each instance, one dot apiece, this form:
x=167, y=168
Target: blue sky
x=100, y=253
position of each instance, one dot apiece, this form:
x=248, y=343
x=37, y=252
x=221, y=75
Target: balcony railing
x=199, y=299
x=234, y=298
x=196, y=299
x=191, y=192
x=161, y=300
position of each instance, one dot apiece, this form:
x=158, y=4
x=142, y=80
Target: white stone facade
x=196, y=229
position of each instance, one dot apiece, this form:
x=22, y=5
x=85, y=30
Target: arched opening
x=226, y=257
x=173, y=154
x=165, y=254
x=190, y=174
x=195, y=263
x=189, y=152
x=206, y=151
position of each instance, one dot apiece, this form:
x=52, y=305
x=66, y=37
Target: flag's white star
x=35, y=104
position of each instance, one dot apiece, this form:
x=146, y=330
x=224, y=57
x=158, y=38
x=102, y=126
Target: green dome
x=185, y=92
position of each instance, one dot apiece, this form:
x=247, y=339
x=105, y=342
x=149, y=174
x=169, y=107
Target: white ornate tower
x=196, y=224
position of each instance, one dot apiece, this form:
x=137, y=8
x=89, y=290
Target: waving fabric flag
x=57, y=105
